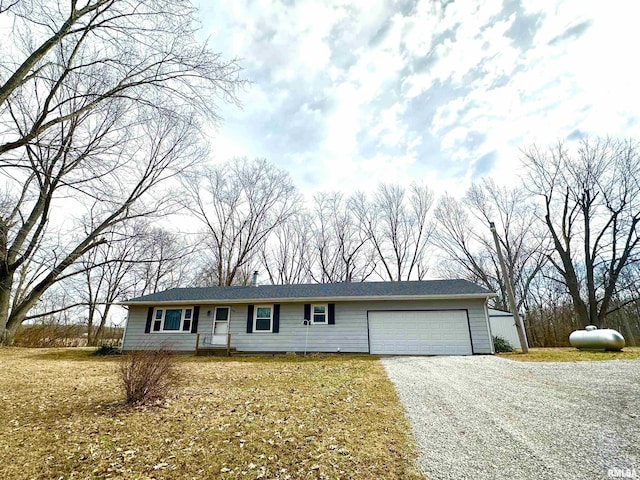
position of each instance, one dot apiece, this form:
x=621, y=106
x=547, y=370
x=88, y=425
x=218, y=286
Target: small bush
x=501, y=345
x=104, y=350
x=147, y=376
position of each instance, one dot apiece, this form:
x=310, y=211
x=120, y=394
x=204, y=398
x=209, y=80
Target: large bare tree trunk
x=103, y=321
x=592, y=204
x=99, y=104
x=6, y=284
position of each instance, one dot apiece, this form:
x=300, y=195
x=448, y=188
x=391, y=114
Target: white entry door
x=444, y=332
x=220, y=325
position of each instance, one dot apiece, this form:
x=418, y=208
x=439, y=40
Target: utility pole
x=512, y=300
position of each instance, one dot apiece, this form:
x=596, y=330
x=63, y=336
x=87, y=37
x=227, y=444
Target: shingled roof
x=318, y=291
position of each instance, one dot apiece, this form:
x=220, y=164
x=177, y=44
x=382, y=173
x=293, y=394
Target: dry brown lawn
x=570, y=354
x=62, y=416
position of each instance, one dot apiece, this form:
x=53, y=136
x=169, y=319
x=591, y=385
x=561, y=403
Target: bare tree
x=522, y=238
x=398, y=222
x=288, y=255
x=50, y=325
x=240, y=204
x=591, y=202
x=105, y=276
x=164, y=261
x=99, y=103
x=5, y=5
x=134, y=260
x=466, y=253
x=469, y=251
x=69, y=58
x=627, y=303
x=342, y=246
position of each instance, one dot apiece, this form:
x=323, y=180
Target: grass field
x=62, y=416
x=570, y=354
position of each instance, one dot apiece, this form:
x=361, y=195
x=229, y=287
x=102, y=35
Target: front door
x=220, y=325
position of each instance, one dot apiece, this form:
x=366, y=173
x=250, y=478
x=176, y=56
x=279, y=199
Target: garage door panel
x=419, y=333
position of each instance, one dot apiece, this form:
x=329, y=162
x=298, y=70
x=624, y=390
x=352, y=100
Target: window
x=319, y=314
x=186, y=326
x=157, y=323
x=263, y=318
x=173, y=319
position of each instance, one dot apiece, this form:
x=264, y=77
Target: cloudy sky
x=346, y=94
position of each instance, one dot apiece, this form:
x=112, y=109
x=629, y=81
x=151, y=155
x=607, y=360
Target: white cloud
x=579, y=83
x=401, y=96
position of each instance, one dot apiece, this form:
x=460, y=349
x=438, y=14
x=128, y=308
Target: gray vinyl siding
x=349, y=334
x=136, y=339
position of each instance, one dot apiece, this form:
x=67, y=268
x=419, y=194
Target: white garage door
x=419, y=333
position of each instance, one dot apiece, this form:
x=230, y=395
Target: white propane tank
x=592, y=338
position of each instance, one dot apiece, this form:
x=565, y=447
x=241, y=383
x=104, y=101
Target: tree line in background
x=103, y=106
x=247, y=215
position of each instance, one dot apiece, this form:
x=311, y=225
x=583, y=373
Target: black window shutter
x=307, y=311
x=194, y=322
x=250, y=319
x=276, y=318
x=332, y=314
x=147, y=327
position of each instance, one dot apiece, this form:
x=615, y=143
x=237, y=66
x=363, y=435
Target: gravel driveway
x=485, y=417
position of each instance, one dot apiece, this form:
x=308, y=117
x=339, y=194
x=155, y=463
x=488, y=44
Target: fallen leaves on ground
x=322, y=417
x=570, y=354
